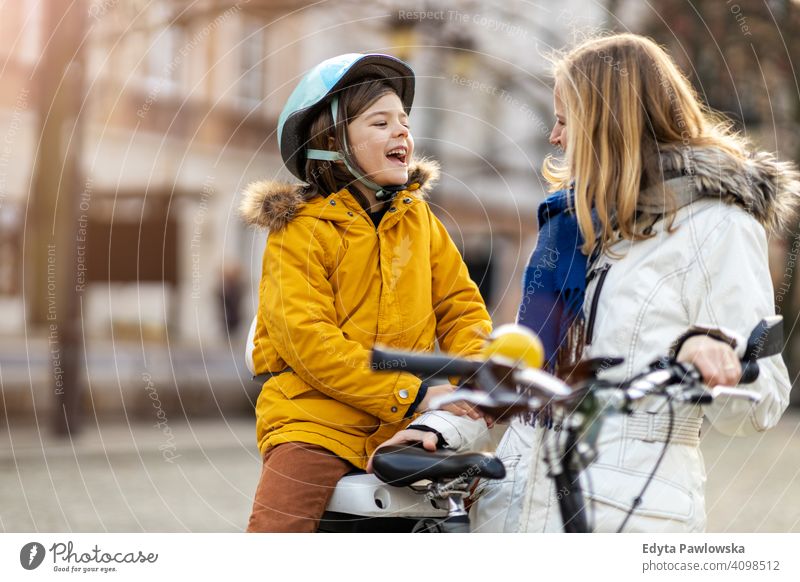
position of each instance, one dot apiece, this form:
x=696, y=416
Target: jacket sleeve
x=729, y=288
x=462, y=322
x=461, y=433
x=297, y=304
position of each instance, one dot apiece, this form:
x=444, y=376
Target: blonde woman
x=672, y=214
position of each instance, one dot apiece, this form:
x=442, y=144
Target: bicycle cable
x=638, y=499
x=590, y=513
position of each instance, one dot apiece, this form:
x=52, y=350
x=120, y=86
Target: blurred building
x=179, y=112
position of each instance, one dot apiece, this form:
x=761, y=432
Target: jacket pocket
x=499, y=502
x=510, y=454
x=615, y=488
x=290, y=385
x=493, y=509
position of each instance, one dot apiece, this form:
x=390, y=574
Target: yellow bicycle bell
x=514, y=345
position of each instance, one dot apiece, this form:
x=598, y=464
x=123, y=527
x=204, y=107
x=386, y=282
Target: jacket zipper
x=603, y=272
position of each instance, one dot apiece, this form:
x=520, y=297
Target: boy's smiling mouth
x=398, y=155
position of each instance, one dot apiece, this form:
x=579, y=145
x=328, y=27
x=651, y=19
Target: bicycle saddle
x=402, y=465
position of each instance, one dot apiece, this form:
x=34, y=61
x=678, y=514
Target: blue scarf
x=555, y=278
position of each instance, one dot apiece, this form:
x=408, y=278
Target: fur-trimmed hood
x=765, y=187
x=273, y=204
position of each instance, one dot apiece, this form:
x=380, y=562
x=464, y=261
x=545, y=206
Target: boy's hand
x=408, y=436
x=457, y=408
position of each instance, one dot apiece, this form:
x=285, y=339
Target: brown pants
x=297, y=481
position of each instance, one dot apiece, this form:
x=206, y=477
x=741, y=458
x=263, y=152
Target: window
x=20, y=29
x=251, y=82
x=164, y=60
x=10, y=249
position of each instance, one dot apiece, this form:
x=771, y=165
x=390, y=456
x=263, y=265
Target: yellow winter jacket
x=332, y=287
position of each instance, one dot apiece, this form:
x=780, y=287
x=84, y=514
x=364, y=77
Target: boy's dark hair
x=325, y=177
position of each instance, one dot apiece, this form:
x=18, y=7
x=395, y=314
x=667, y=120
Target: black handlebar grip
x=422, y=364
x=749, y=372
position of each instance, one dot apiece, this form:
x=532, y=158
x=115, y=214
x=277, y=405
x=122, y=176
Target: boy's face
x=381, y=141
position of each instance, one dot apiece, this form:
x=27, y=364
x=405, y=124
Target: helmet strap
x=381, y=192
x=324, y=155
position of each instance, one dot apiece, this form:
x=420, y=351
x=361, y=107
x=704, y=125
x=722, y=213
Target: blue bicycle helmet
x=313, y=92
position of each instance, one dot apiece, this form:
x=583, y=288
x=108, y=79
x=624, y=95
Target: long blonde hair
x=625, y=98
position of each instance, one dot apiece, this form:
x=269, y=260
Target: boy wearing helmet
x=354, y=257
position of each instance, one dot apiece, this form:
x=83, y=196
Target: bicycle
x=514, y=389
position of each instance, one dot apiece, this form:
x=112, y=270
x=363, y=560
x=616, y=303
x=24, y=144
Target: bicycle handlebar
x=765, y=340
x=422, y=363
x=664, y=377
x=750, y=372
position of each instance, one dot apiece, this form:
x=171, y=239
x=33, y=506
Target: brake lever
x=738, y=393
x=703, y=395
x=698, y=395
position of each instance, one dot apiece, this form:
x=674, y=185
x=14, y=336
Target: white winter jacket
x=711, y=271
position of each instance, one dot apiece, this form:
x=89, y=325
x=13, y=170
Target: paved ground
x=198, y=477
x=201, y=477
x=754, y=482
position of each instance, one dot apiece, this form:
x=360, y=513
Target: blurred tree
x=51, y=291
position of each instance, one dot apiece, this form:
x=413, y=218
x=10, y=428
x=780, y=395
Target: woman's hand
x=716, y=360
x=457, y=408
x=408, y=436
